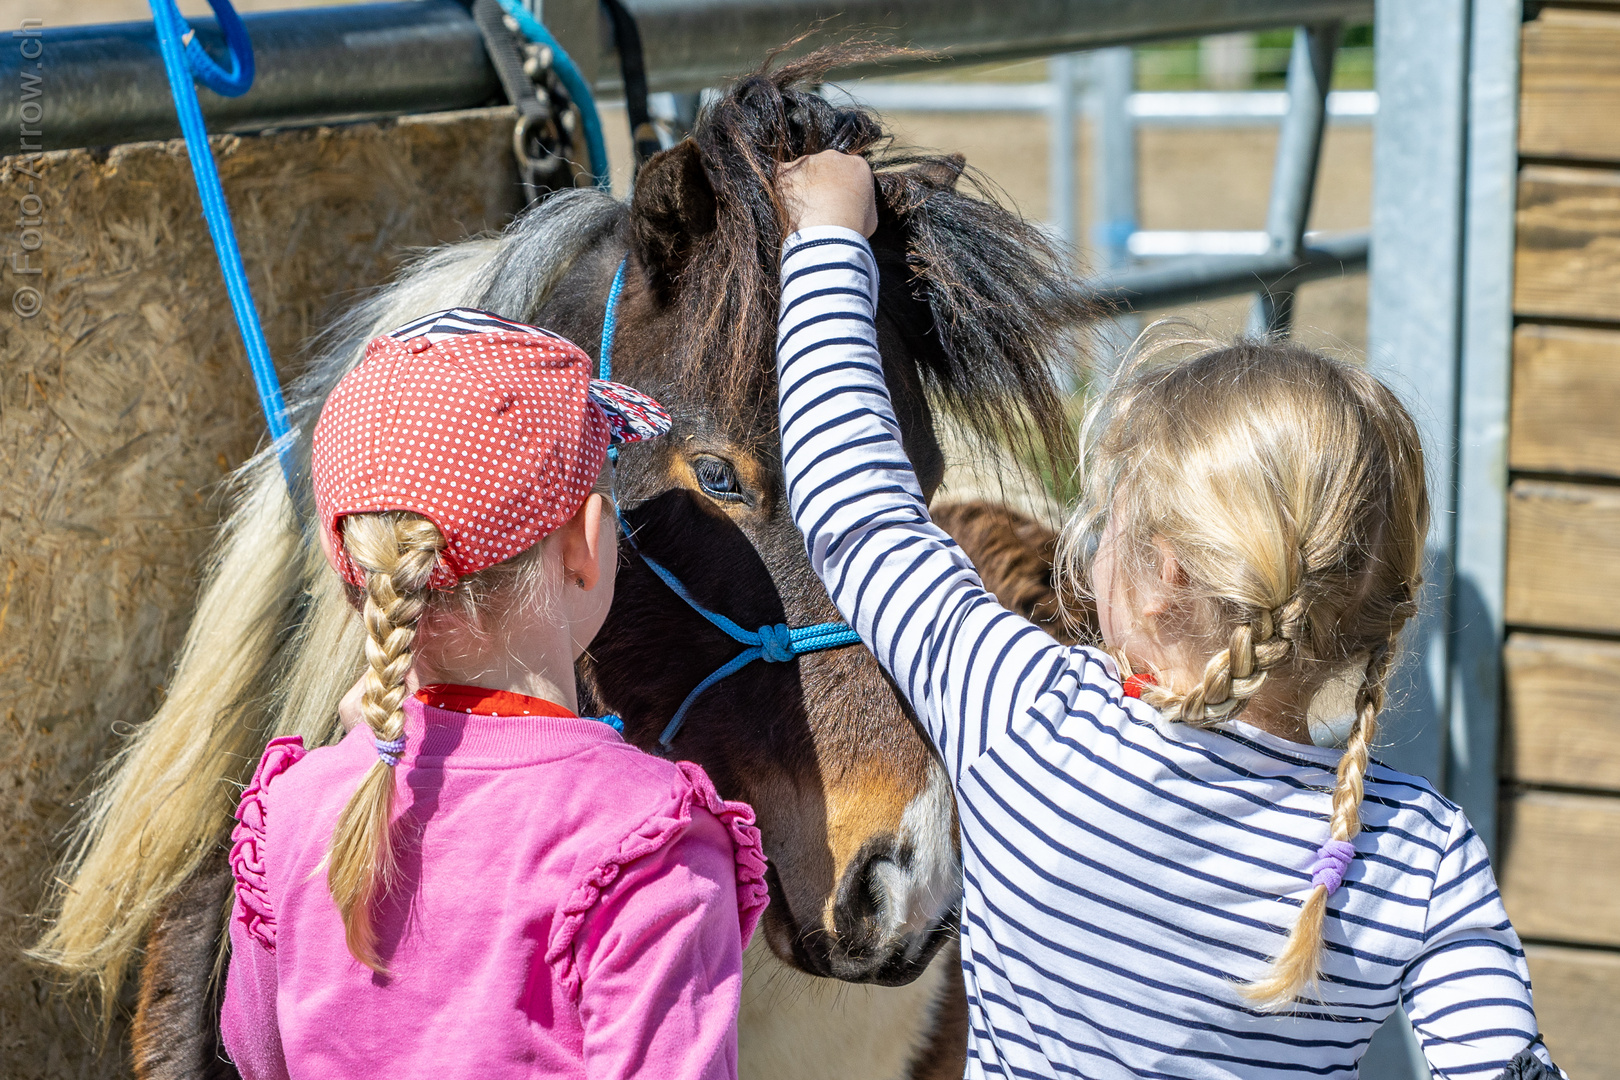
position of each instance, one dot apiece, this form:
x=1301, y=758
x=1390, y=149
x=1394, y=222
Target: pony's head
x=856, y=812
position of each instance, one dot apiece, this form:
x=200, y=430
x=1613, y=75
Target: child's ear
x=581, y=539
x=1172, y=579
x=671, y=211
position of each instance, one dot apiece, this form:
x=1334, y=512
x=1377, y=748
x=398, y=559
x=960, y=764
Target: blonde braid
x=1298, y=967
x=398, y=552
x=1236, y=673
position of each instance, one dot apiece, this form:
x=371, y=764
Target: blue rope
x=610, y=321
x=183, y=60
x=572, y=81
x=776, y=644
x=610, y=327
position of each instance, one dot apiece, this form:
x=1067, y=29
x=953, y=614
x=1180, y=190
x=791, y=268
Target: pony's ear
x=941, y=172
x=671, y=210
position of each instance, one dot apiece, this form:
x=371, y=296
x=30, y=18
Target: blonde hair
x=398, y=552
x=1289, y=488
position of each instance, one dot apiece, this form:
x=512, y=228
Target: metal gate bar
x=321, y=65
x=1293, y=182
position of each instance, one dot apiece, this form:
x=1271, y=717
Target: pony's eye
x=718, y=479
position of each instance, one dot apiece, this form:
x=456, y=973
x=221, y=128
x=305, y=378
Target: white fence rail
x=1171, y=108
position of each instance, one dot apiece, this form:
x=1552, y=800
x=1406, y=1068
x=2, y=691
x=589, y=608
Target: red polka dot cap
x=492, y=430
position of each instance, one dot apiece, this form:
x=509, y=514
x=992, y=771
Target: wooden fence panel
x=1566, y=400
x=123, y=403
x=1560, y=866
x=1578, y=1005
x=1567, y=263
x=1563, y=564
x=1562, y=721
x=1570, y=83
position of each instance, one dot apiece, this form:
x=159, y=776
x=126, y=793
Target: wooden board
x=1567, y=262
x=1563, y=561
x=1566, y=400
x=1578, y=1005
x=1560, y=866
x=123, y=403
x=1570, y=85
x=1561, y=724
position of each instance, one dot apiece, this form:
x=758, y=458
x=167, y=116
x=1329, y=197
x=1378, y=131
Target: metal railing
x=1165, y=108
x=1205, y=264
x=321, y=65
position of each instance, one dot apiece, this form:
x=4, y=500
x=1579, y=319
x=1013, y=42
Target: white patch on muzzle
x=916, y=898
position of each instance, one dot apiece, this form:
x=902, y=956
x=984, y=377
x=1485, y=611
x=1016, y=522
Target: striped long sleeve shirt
x=1123, y=876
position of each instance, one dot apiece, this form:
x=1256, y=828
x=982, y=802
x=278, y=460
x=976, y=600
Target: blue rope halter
x=776, y=644
x=183, y=60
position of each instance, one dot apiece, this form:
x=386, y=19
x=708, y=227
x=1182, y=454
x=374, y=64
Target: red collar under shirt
x=481, y=702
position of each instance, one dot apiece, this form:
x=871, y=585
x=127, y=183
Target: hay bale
x=123, y=403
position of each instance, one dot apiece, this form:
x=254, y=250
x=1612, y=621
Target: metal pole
x=1060, y=185
x=1413, y=318
x=1475, y=701
x=1293, y=182
x=367, y=61
x=1415, y=334
x=1113, y=135
x=1197, y=278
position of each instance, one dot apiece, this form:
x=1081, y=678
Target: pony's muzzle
x=896, y=901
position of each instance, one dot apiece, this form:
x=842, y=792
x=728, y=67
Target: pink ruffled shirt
x=570, y=907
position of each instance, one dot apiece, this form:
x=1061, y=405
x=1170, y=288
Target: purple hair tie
x=1332, y=863
x=389, y=750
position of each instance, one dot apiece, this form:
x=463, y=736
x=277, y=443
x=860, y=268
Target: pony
x=977, y=319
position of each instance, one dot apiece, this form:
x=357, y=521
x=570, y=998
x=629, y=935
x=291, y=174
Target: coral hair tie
x=1332, y=863
x=1135, y=684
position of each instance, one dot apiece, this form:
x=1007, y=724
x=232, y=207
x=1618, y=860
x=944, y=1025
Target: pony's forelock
x=1002, y=311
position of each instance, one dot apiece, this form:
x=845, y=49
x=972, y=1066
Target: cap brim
x=632, y=416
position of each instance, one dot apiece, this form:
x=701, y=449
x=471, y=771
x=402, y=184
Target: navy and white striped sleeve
x=1468, y=991
x=966, y=664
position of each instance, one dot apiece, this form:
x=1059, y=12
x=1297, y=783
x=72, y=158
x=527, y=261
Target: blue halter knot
x=774, y=644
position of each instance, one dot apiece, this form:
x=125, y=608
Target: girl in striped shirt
x=1163, y=875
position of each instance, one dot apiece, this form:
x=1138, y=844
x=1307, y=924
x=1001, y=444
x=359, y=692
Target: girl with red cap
x=477, y=882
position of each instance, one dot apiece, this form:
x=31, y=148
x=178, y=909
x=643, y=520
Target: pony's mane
x=1005, y=312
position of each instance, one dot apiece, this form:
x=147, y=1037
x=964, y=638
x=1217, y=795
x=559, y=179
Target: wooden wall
x=1560, y=861
x=124, y=401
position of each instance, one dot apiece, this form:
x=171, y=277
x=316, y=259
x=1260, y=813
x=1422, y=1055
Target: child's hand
x=829, y=188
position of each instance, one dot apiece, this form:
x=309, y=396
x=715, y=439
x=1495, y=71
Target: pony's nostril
x=872, y=939
x=872, y=900
x=868, y=894
x=859, y=913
